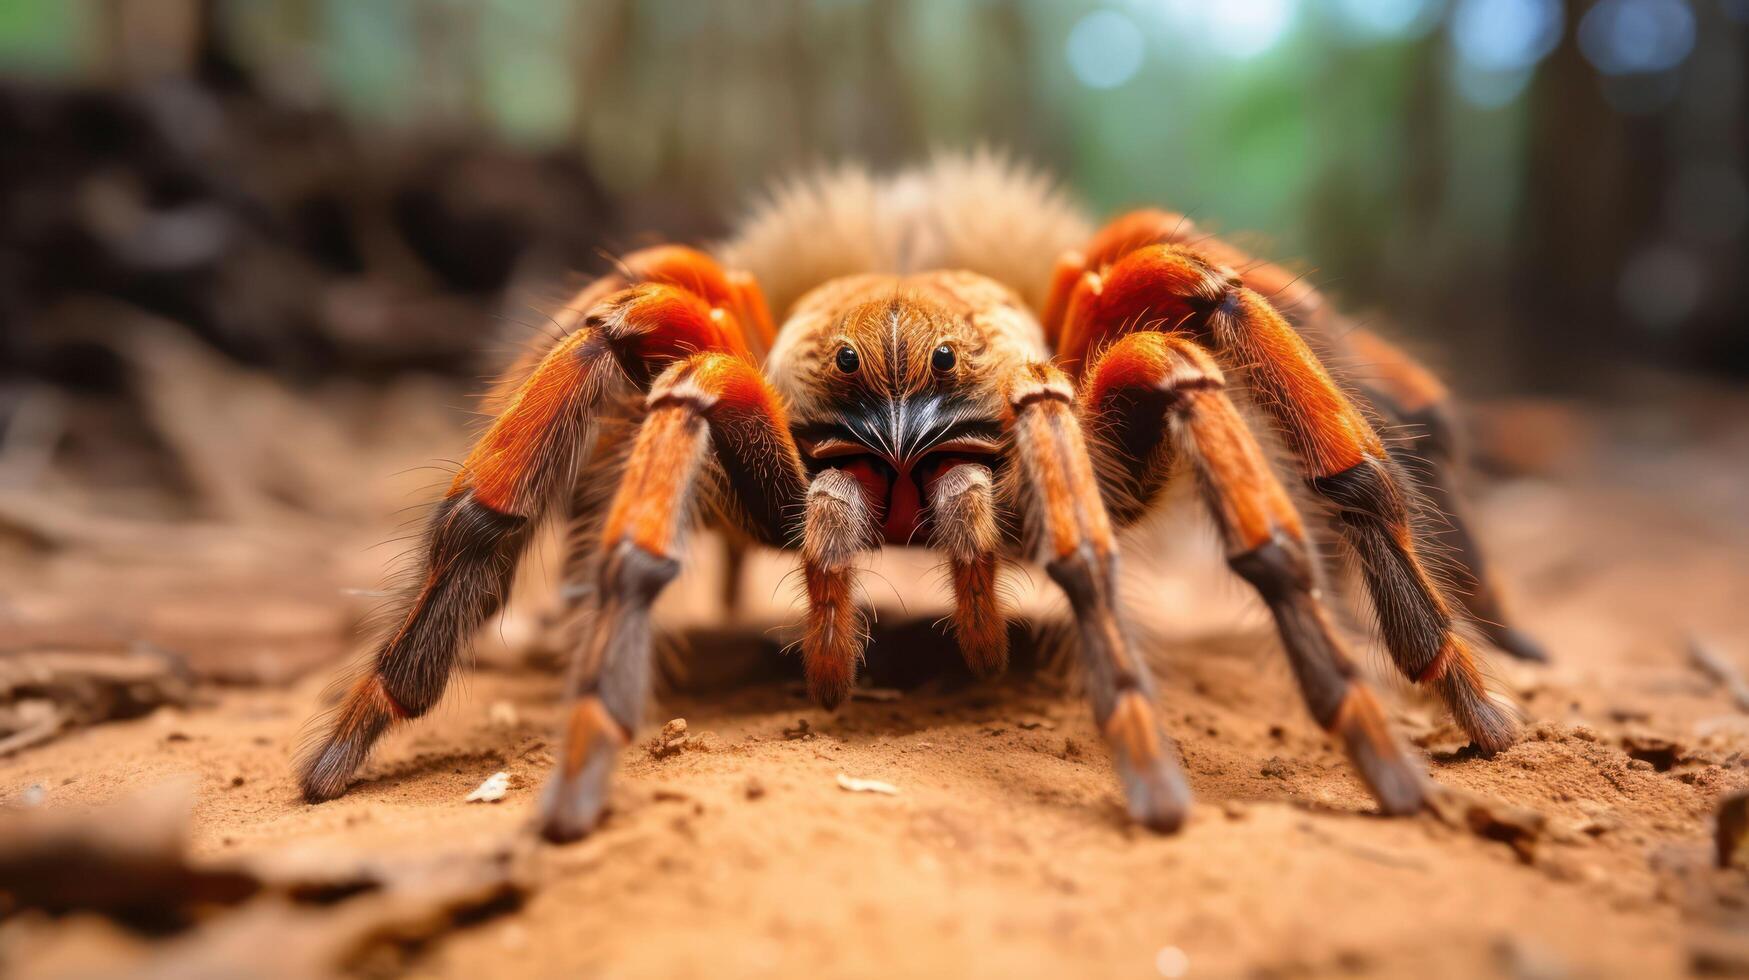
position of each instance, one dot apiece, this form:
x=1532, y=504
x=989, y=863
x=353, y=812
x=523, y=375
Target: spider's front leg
x=1067, y=522
x=708, y=403
x=1160, y=397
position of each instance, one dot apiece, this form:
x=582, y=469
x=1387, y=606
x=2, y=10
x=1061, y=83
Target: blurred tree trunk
x=1593, y=174
x=143, y=42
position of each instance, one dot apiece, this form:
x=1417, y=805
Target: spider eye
x=942, y=360
x=847, y=360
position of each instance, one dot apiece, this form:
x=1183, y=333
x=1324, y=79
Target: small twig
x=32, y=736
x=1719, y=669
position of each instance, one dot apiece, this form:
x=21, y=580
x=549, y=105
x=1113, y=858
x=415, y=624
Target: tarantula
x=960, y=362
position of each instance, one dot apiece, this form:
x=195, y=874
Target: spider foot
x=1153, y=781
x=1517, y=644
x=326, y=769
x=1489, y=724
x=1397, y=782
x=577, y=793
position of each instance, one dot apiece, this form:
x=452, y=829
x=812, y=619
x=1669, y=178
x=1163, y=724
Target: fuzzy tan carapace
x=960, y=361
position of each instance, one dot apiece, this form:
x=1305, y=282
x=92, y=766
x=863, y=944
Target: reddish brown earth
x=1005, y=851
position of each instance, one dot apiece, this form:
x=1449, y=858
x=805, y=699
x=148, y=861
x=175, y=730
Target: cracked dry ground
x=735, y=852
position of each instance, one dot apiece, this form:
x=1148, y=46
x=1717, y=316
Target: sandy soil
x=1005, y=851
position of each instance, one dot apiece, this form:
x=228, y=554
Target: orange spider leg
x=734, y=295
x=472, y=542
x=1065, y=276
x=1132, y=230
x=753, y=312
x=1410, y=387
x=1414, y=402
x=1339, y=453
x=1165, y=395
x=1067, y=520
x=524, y=463
x=1118, y=238
x=1149, y=288
x=711, y=401
x=1139, y=229
x=1403, y=392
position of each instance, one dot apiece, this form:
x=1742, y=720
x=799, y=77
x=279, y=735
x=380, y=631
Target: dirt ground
x=1005, y=850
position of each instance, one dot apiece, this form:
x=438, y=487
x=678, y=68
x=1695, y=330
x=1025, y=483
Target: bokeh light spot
x=1171, y=962
x=1105, y=49
x=1386, y=20
x=1624, y=37
x=1502, y=36
x=1247, y=28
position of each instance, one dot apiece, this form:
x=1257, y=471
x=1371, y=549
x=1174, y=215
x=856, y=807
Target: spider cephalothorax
x=894, y=381
x=936, y=380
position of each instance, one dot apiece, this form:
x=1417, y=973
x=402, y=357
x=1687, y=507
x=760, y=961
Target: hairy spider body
x=963, y=364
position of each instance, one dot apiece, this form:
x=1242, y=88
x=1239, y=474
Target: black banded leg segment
x=1417, y=406
x=1429, y=455
x=1067, y=522
x=1337, y=698
x=473, y=539
x=1261, y=529
x=471, y=555
x=1122, y=692
x=1416, y=624
x=1345, y=463
x=518, y=469
x=610, y=675
x=707, y=402
x=609, y=684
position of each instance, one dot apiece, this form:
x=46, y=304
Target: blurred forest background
x=324, y=186
x=369, y=203
x=257, y=257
